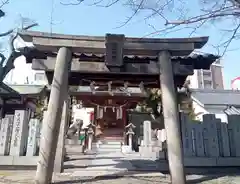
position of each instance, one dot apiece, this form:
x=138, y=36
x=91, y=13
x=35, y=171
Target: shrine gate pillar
x=171, y=119
x=51, y=122
x=59, y=158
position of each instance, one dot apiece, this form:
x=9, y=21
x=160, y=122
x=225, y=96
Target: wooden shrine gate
x=113, y=61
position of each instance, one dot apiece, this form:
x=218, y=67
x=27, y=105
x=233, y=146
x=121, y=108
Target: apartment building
x=208, y=79
x=40, y=78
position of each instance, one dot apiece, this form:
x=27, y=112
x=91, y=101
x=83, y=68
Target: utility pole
x=171, y=119
x=51, y=122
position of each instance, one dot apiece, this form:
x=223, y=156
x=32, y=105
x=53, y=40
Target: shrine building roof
x=6, y=90
x=28, y=89
x=16, y=90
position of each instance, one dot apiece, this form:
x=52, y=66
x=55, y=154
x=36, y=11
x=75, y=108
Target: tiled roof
x=231, y=110
x=5, y=89
x=216, y=97
x=199, y=61
x=27, y=89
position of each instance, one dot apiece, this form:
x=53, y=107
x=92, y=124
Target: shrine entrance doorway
x=111, y=125
x=110, y=117
x=110, y=113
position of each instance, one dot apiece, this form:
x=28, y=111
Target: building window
x=207, y=84
x=206, y=73
x=39, y=77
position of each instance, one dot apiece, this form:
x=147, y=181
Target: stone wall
x=215, y=141
x=19, y=139
x=205, y=143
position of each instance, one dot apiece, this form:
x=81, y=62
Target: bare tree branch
x=228, y=42
x=134, y=14
x=228, y=11
x=9, y=62
x=178, y=16
x=12, y=30
x=2, y=58
x=69, y=4
x=2, y=13
x=4, y=2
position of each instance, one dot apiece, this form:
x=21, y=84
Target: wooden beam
x=95, y=67
x=106, y=94
x=82, y=79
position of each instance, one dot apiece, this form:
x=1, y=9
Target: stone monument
x=20, y=132
x=32, y=137
x=11, y=117
x=149, y=147
x=5, y=134
x=146, y=147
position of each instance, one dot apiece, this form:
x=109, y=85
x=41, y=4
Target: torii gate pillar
x=52, y=121
x=171, y=119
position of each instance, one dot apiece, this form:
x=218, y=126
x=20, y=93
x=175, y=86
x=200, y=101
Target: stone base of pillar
x=126, y=149
x=89, y=152
x=151, y=152
x=73, y=142
x=74, y=149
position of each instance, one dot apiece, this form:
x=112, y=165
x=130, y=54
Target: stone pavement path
x=26, y=177
x=114, y=168
x=105, y=164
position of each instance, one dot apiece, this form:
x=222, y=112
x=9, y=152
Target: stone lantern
x=130, y=133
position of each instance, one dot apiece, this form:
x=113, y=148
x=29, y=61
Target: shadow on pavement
x=142, y=168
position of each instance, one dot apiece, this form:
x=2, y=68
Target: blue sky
x=91, y=20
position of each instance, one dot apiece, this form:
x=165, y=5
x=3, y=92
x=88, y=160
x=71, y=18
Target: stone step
x=112, y=138
x=107, y=146
x=110, y=150
x=119, y=138
x=109, y=143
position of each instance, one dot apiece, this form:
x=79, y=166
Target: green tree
x=40, y=107
x=153, y=101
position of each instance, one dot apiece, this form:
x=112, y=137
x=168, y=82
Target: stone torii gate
x=115, y=60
